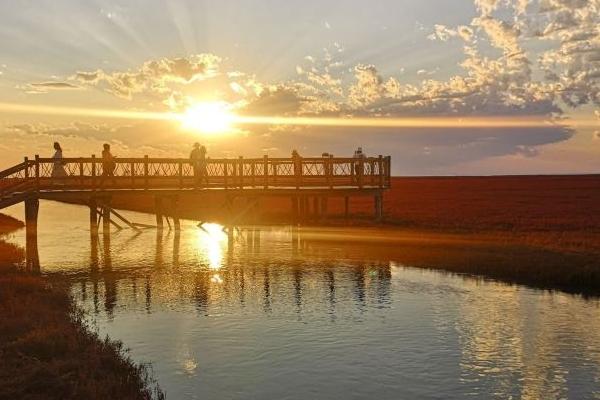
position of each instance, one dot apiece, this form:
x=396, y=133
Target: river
x=280, y=313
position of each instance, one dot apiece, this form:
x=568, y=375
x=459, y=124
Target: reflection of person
x=198, y=161
x=58, y=165
x=108, y=162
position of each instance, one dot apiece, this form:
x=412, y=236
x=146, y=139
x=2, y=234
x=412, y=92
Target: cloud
x=153, y=76
x=519, y=58
x=45, y=87
x=54, y=85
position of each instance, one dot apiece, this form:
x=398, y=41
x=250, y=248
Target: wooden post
x=180, y=174
x=253, y=172
x=302, y=208
x=37, y=172
x=31, y=215
x=32, y=206
x=266, y=170
x=387, y=171
x=146, y=171
x=159, y=211
x=324, y=204
x=306, y=207
x=81, y=177
x=346, y=207
x=93, y=170
x=106, y=215
x=378, y=207
x=93, y=217
x=297, y=174
x=241, y=171
x=361, y=171
x=330, y=171
x=380, y=168
x=372, y=172
x=295, y=208
x=26, y=162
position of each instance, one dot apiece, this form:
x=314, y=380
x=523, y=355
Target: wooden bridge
x=93, y=182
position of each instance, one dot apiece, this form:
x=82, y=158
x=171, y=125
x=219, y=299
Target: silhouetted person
x=358, y=156
x=58, y=165
x=198, y=161
x=297, y=163
x=327, y=167
x=108, y=161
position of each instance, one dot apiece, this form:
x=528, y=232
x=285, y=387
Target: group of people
x=197, y=160
x=58, y=165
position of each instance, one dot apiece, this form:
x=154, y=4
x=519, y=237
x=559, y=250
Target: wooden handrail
x=13, y=170
x=91, y=173
x=188, y=161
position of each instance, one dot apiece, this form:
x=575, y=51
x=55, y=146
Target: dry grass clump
x=46, y=349
x=48, y=352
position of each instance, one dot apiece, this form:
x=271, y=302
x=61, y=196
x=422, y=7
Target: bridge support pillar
x=378, y=207
x=295, y=208
x=32, y=207
x=303, y=206
x=32, y=260
x=158, y=209
x=106, y=216
x=346, y=207
x=93, y=217
x=324, y=206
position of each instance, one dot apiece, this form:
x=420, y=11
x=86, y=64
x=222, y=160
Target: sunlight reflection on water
x=275, y=312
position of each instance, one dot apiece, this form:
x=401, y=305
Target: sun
x=208, y=117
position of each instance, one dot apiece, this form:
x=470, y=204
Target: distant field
x=555, y=211
x=498, y=203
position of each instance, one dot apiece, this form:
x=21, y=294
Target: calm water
x=273, y=313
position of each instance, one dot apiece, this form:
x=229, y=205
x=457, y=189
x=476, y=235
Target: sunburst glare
x=208, y=117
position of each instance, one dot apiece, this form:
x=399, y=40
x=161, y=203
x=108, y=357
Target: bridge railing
x=138, y=173
x=16, y=178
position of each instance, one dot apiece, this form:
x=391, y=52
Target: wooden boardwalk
x=91, y=182
x=267, y=175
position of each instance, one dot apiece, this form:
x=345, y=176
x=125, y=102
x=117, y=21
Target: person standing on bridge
x=297, y=163
x=108, y=163
x=359, y=156
x=58, y=165
x=198, y=161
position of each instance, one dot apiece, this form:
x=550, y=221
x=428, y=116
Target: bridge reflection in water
x=325, y=310
x=222, y=268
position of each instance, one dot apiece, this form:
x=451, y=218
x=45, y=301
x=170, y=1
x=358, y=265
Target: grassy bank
x=483, y=256
x=46, y=350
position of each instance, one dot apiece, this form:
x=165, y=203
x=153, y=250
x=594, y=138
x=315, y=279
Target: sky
x=433, y=60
